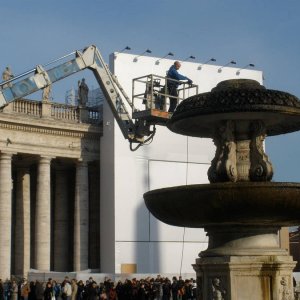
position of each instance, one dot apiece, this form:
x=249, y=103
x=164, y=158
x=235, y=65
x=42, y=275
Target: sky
x=262, y=32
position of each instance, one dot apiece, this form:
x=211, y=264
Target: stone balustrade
x=28, y=107
x=62, y=111
x=54, y=111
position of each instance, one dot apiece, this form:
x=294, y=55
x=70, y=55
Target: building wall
x=136, y=237
x=41, y=153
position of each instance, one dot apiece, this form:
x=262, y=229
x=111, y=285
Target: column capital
x=7, y=154
x=82, y=162
x=45, y=159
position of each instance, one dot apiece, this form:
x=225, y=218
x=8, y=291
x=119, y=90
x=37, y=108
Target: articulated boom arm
x=40, y=77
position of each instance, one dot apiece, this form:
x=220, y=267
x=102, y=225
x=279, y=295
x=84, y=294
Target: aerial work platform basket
x=151, y=96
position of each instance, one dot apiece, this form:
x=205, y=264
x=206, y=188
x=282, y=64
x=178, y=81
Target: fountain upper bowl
x=236, y=99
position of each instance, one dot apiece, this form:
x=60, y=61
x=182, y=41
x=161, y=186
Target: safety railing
x=153, y=91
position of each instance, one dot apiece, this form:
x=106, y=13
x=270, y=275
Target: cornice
x=90, y=132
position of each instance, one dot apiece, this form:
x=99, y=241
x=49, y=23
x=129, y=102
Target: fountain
x=241, y=209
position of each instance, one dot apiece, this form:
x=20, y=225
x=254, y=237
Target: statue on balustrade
x=83, y=92
x=46, y=93
x=7, y=75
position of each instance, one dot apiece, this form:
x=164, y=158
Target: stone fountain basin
x=241, y=100
x=220, y=204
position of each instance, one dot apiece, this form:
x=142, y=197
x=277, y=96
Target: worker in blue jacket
x=173, y=85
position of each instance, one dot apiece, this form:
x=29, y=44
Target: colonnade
x=44, y=215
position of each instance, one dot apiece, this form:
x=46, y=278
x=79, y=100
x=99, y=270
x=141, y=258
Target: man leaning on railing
x=173, y=84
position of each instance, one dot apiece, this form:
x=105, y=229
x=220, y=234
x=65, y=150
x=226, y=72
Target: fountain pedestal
x=244, y=263
x=264, y=277
x=241, y=209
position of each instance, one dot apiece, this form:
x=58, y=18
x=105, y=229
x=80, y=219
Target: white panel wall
x=170, y=160
x=156, y=257
x=166, y=174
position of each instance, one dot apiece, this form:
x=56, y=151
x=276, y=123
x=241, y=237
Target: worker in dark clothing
x=173, y=85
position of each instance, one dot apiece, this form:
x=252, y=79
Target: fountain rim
x=201, y=114
x=221, y=204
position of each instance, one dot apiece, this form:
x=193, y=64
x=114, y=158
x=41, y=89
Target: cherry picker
x=138, y=126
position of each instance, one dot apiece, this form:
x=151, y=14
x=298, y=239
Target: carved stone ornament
x=261, y=168
x=223, y=166
x=217, y=290
x=284, y=290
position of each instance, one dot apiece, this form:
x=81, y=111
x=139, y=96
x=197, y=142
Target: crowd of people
x=158, y=288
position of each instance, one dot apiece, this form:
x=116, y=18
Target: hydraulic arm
x=41, y=77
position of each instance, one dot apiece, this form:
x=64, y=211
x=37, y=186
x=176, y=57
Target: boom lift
x=138, y=126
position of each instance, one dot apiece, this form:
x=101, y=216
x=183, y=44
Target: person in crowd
x=173, y=82
x=158, y=287
x=174, y=288
x=92, y=292
x=86, y=287
x=80, y=290
x=128, y=289
x=187, y=290
x=66, y=289
x=166, y=289
x=142, y=293
x=56, y=289
x=181, y=290
x=194, y=289
x=39, y=290
x=25, y=289
x=14, y=290
x=120, y=290
x=7, y=290
x=134, y=287
x=48, y=292
x=152, y=290
x=112, y=295
x=1, y=290
x=107, y=285
x=31, y=295
x=74, y=288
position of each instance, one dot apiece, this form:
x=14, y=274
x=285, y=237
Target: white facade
x=129, y=233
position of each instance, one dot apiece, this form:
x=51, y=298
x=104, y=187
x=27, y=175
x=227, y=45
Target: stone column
x=43, y=215
x=22, y=228
x=61, y=222
x=81, y=217
x=5, y=214
x=94, y=216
